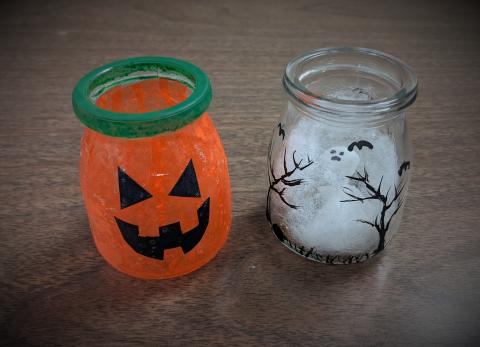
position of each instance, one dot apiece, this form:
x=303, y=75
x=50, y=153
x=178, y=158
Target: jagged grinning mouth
x=170, y=236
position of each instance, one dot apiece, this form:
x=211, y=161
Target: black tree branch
x=381, y=223
x=285, y=177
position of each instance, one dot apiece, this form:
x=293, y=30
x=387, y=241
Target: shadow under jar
x=339, y=160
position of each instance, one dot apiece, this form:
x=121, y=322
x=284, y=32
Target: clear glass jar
x=339, y=160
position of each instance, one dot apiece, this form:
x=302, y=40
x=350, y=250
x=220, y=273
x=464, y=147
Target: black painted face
x=336, y=157
x=171, y=235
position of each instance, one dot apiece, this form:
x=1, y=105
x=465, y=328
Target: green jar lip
x=132, y=125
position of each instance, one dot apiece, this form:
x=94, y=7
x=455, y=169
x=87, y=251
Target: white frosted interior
x=322, y=221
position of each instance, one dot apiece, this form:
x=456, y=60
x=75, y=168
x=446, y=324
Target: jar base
x=311, y=253
x=157, y=276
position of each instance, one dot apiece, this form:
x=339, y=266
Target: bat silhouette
x=360, y=144
x=404, y=167
x=281, y=132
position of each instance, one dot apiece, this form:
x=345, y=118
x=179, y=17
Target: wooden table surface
x=55, y=288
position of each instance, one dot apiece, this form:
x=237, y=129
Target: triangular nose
x=130, y=191
x=187, y=184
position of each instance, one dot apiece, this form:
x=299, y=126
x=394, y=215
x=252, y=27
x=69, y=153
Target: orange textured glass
x=158, y=206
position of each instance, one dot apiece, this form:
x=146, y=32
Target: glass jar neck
x=144, y=124
x=350, y=85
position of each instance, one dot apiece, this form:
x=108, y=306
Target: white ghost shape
x=337, y=163
x=334, y=227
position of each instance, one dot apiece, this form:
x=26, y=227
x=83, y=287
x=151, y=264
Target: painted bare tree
x=279, y=183
x=389, y=205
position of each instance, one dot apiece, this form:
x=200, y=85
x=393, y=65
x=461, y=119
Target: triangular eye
x=187, y=184
x=130, y=191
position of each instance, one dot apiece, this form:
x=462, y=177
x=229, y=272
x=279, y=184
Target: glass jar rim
x=376, y=109
x=133, y=125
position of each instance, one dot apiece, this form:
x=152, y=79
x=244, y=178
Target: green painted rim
x=132, y=125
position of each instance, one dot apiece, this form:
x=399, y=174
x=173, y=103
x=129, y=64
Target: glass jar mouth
x=343, y=83
x=132, y=125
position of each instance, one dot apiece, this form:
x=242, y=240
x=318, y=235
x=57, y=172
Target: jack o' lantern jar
x=153, y=171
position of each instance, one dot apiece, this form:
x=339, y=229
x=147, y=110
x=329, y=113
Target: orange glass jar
x=153, y=171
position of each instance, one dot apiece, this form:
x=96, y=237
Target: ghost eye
x=333, y=151
x=130, y=191
x=187, y=184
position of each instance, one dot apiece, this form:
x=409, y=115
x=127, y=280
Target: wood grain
x=56, y=290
